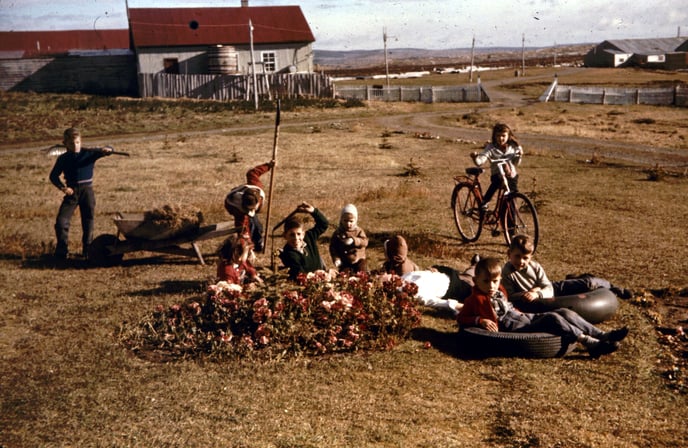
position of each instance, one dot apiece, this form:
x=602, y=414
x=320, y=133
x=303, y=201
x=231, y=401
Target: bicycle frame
x=502, y=192
x=513, y=213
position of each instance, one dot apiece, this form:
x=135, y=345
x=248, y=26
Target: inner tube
x=594, y=306
x=480, y=343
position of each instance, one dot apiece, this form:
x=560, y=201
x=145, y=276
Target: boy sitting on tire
x=488, y=307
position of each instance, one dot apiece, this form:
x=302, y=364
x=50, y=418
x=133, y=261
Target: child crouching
x=234, y=265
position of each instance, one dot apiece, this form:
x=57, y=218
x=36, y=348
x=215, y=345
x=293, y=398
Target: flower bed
x=320, y=313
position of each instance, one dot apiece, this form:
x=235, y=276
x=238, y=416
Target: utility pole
x=555, y=54
x=470, y=70
x=523, y=54
x=384, y=42
x=253, y=66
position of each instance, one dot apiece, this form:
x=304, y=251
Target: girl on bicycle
x=503, y=146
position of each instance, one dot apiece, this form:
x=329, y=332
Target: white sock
x=588, y=341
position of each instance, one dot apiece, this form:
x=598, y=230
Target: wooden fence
x=425, y=94
x=235, y=87
x=658, y=96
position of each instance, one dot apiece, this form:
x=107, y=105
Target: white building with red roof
x=219, y=40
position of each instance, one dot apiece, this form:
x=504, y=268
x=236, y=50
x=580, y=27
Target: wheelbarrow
x=134, y=233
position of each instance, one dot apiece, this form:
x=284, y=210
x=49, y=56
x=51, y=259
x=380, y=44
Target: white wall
x=194, y=60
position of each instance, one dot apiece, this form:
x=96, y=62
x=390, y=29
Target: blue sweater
x=77, y=168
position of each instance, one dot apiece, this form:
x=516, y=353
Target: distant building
x=634, y=52
x=159, y=40
x=87, y=61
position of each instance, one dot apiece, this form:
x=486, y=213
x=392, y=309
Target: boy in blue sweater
x=76, y=166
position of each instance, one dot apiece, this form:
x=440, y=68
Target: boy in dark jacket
x=76, y=165
x=301, y=253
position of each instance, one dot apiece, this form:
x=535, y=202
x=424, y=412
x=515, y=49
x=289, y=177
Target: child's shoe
x=617, y=335
x=602, y=348
x=622, y=292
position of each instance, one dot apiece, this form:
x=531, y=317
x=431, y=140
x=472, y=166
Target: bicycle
x=513, y=213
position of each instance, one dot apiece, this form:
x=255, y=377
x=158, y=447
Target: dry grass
x=68, y=382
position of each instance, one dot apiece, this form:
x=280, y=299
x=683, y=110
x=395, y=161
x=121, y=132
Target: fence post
x=674, y=102
x=637, y=96
x=367, y=95
x=604, y=96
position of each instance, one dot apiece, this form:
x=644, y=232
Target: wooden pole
x=272, y=175
x=470, y=70
x=523, y=54
x=384, y=43
x=253, y=65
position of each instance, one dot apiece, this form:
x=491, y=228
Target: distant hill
x=416, y=57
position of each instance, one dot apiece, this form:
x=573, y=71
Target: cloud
x=432, y=24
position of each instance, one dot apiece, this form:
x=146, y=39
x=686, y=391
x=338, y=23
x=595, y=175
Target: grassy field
x=68, y=380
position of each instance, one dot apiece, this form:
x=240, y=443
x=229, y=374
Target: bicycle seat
x=474, y=170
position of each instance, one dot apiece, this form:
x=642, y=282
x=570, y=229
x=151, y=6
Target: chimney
x=244, y=3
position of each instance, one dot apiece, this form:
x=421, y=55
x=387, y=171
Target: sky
x=434, y=24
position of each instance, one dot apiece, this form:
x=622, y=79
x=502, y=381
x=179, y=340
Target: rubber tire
x=480, y=343
x=595, y=306
x=100, y=255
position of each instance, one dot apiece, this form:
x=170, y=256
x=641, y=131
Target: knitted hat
x=351, y=210
x=396, y=250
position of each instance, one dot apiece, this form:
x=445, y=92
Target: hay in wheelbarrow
x=160, y=223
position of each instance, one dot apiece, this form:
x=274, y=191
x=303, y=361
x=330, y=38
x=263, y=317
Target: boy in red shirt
x=489, y=308
x=244, y=201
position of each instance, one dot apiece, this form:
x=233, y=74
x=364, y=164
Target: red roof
x=162, y=27
x=29, y=44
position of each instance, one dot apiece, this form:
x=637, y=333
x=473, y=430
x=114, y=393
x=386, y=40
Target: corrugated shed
x=30, y=44
x=645, y=46
x=157, y=27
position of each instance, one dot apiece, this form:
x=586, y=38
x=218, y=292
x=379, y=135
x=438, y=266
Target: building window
x=269, y=60
x=171, y=65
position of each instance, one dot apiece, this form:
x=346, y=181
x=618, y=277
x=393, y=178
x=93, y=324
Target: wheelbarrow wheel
x=100, y=251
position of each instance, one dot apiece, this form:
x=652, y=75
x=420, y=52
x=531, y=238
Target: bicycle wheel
x=466, y=207
x=518, y=217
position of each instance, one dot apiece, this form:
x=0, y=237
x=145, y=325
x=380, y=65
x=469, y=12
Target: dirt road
x=433, y=123
x=500, y=99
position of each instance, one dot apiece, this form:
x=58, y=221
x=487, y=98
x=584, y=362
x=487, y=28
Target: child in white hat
x=349, y=242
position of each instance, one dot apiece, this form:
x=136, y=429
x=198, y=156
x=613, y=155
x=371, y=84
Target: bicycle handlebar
x=505, y=159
